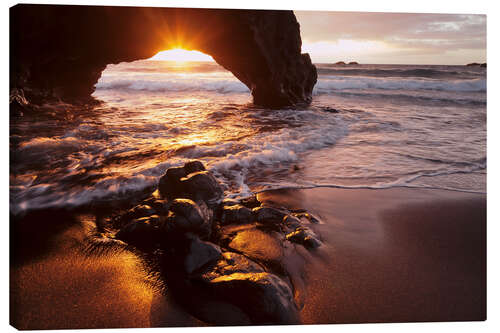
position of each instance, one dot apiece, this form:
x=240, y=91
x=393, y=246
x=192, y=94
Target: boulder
x=135, y=213
x=264, y=297
x=143, y=232
x=236, y=214
x=305, y=237
x=203, y=186
x=269, y=215
x=186, y=215
x=170, y=183
x=199, y=254
x=250, y=202
x=193, y=166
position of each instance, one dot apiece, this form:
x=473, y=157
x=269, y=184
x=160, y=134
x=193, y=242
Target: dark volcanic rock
x=263, y=296
x=199, y=254
x=340, y=63
x=236, y=214
x=143, y=233
x=304, y=236
x=170, y=183
x=268, y=215
x=202, y=185
x=250, y=202
x=191, y=181
x=353, y=63
x=59, y=52
x=187, y=216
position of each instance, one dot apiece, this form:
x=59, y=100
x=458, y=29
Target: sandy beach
x=388, y=255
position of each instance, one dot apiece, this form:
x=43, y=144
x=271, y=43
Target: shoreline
x=389, y=255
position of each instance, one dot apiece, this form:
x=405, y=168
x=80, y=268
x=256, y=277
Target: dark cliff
x=59, y=52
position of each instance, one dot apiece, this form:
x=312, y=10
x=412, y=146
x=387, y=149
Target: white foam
x=332, y=83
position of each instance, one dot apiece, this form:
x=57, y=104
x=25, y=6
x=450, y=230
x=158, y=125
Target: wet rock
x=135, y=213
x=264, y=297
x=193, y=166
x=199, y=254
x=305, y=237
x=306, y=216
x=268, y=215
x=191, y=181
x=159, y=205
x=143, y=233
x=259, y=245
x=250, y=202
x=170, y=183
x=291, y=221
x=202, y=185
x=236, y=214
x=187, y=216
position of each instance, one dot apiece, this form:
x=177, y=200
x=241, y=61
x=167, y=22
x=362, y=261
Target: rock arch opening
x=64, y=49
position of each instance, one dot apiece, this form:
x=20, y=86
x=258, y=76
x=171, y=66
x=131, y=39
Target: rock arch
x=59, y=52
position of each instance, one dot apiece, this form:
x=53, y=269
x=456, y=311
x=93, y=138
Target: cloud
x=400, y=33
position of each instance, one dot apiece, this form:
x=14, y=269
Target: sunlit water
x=368, y=126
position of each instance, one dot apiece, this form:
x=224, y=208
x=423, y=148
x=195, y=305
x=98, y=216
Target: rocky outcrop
x=58, y=52
x=234, y=261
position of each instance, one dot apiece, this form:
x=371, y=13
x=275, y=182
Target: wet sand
x=394, y=255
x=388, y=256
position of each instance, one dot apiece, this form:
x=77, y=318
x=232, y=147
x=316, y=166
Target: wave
x=167, y=84
x=399, y=72
x=332, y=84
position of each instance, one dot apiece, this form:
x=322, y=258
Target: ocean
x=369, y=126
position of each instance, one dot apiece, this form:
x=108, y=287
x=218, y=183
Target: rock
x=353, y=63
x=250, y=202
x=170, y=183
x=291, y=221
x=193, y=166
x=143, y=232
x=258, y=245
x=236, y=214
x=474, y=64
x=135, y=213
x=304, y=236
x=159, y=205
x=199, y=254
x=191, y=181
x=261, y=48
x=203, y=186
x=483, y=65
x=307, y=216
x=339, y=63
x=187, y=216
x=264, y=297
x=268, y=215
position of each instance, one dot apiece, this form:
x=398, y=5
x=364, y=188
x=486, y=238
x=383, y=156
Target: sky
x=393, y=38
x=382, y=38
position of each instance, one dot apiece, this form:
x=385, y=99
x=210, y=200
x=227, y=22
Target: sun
x=181, y=55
